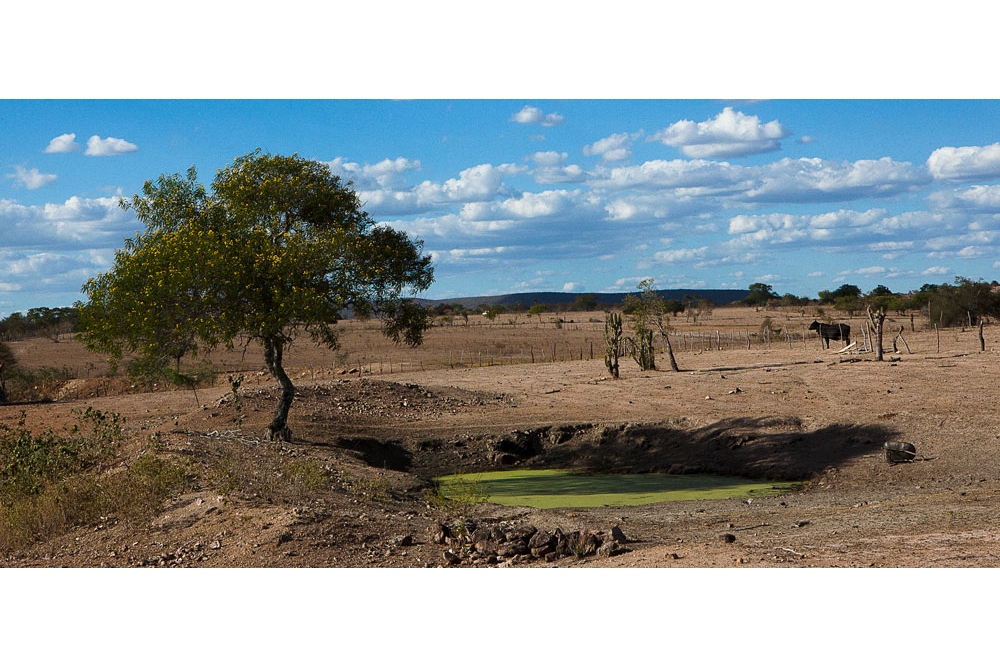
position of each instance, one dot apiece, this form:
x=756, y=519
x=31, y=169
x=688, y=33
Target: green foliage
x=955, y=304
x=844, y=290
x=52, y=481
x=28, y=460
x=457, y=493
x=849, y=304
x=645, y=310
x=585, y=302
x=760, y=294
x=39, y=322
x=278, y=246
x=7, y=363
x=538, y=309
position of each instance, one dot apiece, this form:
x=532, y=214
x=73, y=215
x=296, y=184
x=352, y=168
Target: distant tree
x=964, y=302
x=278, y=246
x=538, y=309
x=649, y=311
x=880, y=290
x=842, y=291
x=7, y=363
x=673, y=307
x=760, y=294
x=585, y=302
x=849, y=304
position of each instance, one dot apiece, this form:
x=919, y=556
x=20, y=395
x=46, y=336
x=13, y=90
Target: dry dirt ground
x=777, y=412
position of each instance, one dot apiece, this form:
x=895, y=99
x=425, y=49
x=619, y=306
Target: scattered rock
x=728, y=538
x=522, y=544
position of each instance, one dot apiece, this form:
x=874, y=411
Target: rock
x=481, y=534
x=452, y=558
x=799, y=524
x=439, y=533
x=402, y=541
x=582, y=544
x=609, y=549
x=520, y=534
x=728, y=538
x=215, y=545
x=486, y=547
x=617, y=535
x=542, y=539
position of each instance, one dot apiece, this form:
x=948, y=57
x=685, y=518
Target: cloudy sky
x=526, y=194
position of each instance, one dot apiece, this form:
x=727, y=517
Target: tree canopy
x=277, y=246
x=760, y=294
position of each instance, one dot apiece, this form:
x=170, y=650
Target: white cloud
x=681, y=254
x=480, y=183
x=815, y=274
x=76, y=223
x=975, y=199
x=870, y=270
x=30, y=178
x=614, y=148
x=551, y=167
x=818, y=180
x=97, y=147
x=965, y=162
x=572, y=287
x=730, y=134
x=64, y=143
x=535, y=116
x=805, y=139
x=9, y=287
x=936, y=271
x=384, y=174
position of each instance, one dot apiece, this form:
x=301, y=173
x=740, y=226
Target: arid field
x=373, y=424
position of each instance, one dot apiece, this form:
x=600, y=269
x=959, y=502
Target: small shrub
x=51, y=482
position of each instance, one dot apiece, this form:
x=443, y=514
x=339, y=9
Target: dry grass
x=502, y=341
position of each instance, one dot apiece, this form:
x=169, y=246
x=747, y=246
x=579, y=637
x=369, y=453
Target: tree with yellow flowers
x=277, y=247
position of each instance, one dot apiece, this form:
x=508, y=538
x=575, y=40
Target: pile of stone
x=471, y=544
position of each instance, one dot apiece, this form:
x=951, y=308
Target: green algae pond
x=567, y=488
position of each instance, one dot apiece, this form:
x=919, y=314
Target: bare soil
x=787, y=410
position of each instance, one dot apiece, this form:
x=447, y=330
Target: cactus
x=641, y=349
x=612, y=342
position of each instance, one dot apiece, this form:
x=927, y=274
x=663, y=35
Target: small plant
x=307, y=476
x=52, y=481
x=375, y=489
x=457, y=495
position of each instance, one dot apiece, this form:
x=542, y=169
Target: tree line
x=48, y=322
x=962, y=302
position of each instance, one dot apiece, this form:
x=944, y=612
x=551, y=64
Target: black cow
x=837, y=331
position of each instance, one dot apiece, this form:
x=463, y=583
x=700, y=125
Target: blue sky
x=528, y=195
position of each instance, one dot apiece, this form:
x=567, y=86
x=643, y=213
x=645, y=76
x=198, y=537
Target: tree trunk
x=278, y=429
x=670, y=348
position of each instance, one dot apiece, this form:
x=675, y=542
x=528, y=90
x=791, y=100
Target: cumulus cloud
x=76, y=223
x=64, y=143
x=97, y=147
x=965, y=162
x=534, y=116
x=819, y=180
x=551, y=167
x=936, y=271
x=614, y=148
x=975, y=199
x=572, y=287
x=730, y=134
x=30, y=178
x=384, y=174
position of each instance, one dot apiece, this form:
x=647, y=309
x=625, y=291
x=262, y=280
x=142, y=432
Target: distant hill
x=717, y=296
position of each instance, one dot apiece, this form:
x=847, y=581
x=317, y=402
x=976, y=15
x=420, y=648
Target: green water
x=564, y=488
